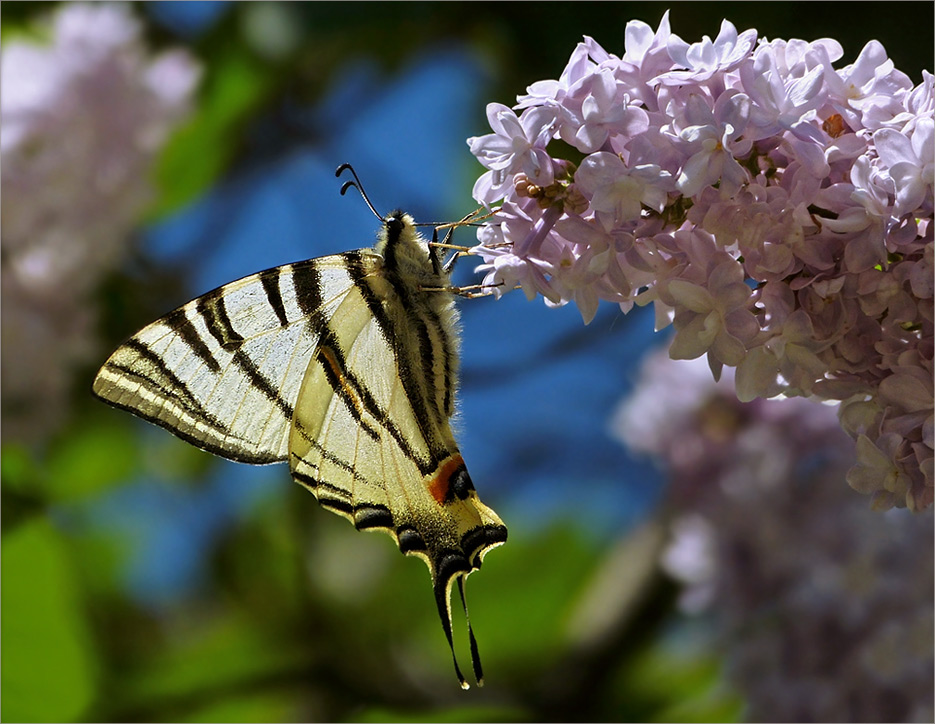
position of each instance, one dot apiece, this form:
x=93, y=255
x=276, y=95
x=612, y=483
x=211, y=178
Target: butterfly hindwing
x=379, y=449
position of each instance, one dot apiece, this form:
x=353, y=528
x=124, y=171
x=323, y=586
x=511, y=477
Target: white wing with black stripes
x=346, y=366
x=223, y=371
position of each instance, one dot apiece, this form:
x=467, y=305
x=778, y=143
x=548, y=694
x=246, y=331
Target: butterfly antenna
x=357, y=185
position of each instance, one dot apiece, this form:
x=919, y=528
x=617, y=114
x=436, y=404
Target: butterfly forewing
x=224, y=370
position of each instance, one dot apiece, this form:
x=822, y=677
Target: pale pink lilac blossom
x=81, y=120
x=823, y=609
x=775, y=209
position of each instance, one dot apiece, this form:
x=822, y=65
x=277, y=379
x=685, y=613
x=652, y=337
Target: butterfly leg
x=475, y=291
x=433, y=253
x=450, y=264
x=470, y=291
x=437, y=266
x=472, y=219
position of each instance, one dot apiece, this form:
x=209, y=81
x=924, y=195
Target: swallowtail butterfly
x=345, y=366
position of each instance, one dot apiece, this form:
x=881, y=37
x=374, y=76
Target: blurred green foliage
x=302, y=618
x=202, y=149
x=49, y=669
x=279, y=631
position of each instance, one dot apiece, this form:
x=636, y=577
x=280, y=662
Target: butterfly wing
x=371, y=435
x=343, y=365
x=223, y=371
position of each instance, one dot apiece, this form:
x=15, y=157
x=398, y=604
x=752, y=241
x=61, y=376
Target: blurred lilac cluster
x=81, y=119
x=775, y=210
x=823, y=608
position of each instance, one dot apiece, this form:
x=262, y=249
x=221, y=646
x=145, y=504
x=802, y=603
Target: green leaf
x=525, y=623
x=89, y=460
x=451, y=714
x=250, y=707
x=166, y=457
x=17, y=469
x=678, y=679
x=220, y=657
x=48, y=669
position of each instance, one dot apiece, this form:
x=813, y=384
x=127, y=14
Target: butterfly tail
x=475, y=654
x=442, y=589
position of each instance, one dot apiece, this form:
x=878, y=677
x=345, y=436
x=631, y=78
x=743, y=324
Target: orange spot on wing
x=440, y=484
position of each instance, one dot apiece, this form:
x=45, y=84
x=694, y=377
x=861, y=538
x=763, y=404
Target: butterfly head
x=406, y=252
x=397, y=221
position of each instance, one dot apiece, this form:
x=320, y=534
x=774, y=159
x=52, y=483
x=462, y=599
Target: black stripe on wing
x=368, y=516
x=180, y=392
x=312, y=483
x=410, y=540
x=405, y=369
x=423, y=318
x=365, y=516
x=270, y=282
x=166, y=384
x=345, y=386
x=351, y=390
x=213, y=311
x=179, y=322
x=262, y=383
x=449, y=373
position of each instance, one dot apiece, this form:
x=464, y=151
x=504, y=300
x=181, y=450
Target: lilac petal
x=590, y=138
x=727, y=35
x=727, y=276
x=893, y=146
x=694, y=174
x=871, y=57
x=637, y=40
x=495, y=114
x=864, y=253
x=728, y=349
x=587, y=301
x=907, y=392
x=688, y=342
x=492, y=151
x=484, y=191
x=872, y=470
x=535, y=125
x=756, y=376
x=691, y=296
x=911, y=190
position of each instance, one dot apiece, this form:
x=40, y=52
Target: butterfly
x=344, y=366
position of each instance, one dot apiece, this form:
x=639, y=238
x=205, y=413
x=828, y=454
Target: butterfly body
x=344, y=366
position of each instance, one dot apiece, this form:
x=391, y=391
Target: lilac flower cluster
x=81, y=120
x=775, y=210
x=822, y=608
